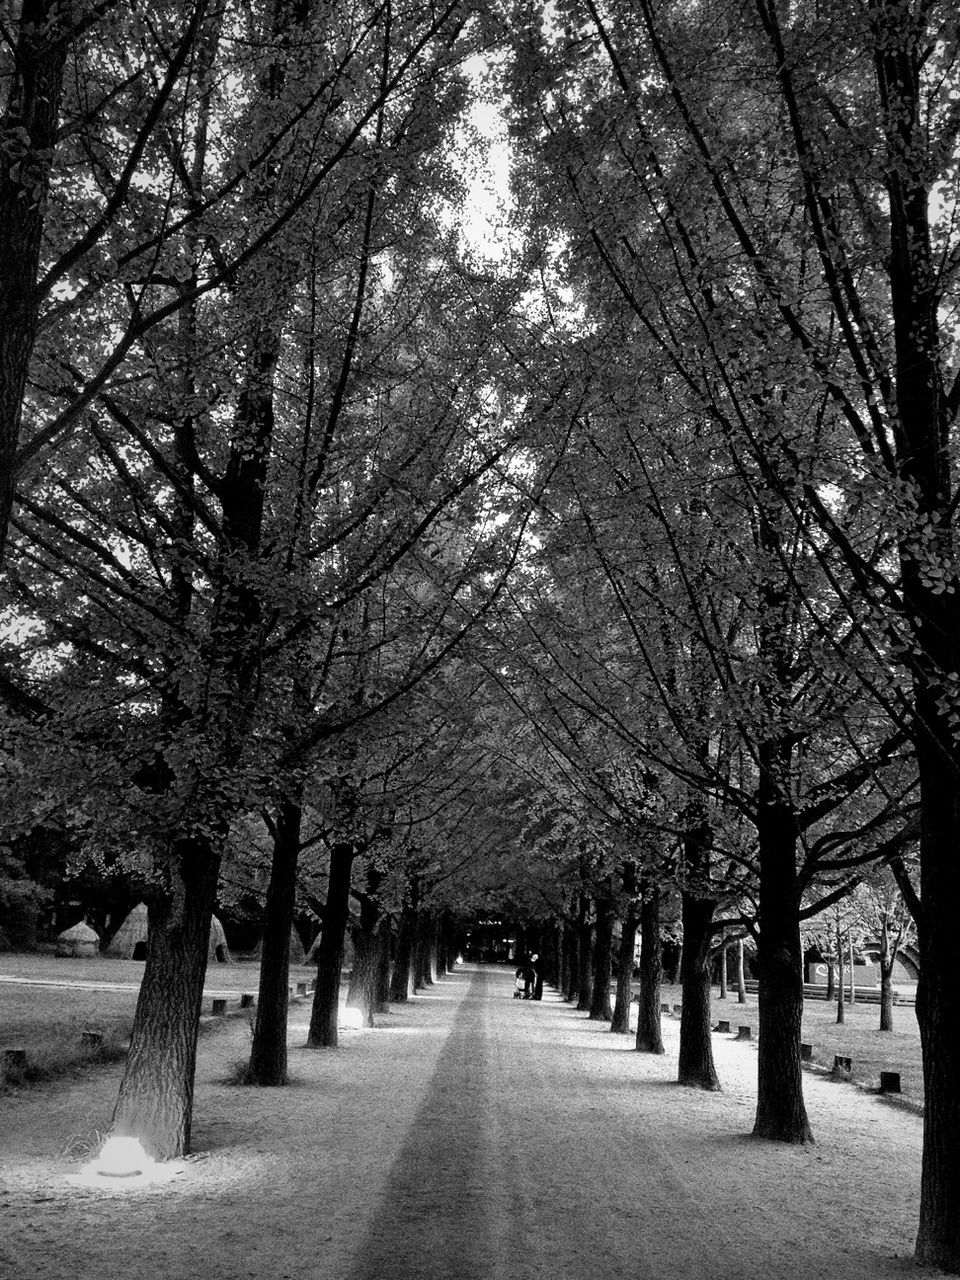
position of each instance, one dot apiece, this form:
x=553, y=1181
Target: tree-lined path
x=471, y=1136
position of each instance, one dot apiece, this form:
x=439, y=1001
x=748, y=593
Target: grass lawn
x=56, y=1000
x=858, y=1037
x=47, y=1020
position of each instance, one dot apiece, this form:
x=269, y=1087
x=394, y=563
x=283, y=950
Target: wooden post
x=246, y=1000
x=889, y=1081
x=219, y=1006
x=744, y=1033
x=723, y=1025
x=15, y=1057
x=806, y=1052
x=301, y=988
x=842, y=1063
x=91, y=1039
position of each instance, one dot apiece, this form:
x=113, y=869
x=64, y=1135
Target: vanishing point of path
x=473, y=1137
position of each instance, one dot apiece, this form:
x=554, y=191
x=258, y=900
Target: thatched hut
x=217, y=952
x=80, y=941
x=130, y=940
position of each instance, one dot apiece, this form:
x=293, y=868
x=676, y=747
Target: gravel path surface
x=468, y=1137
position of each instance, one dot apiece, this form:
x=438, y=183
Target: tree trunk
x=571, y=991
x=424, y=954
x=887, y=958
x=155, y=1102
x=601, y=1010
x=741, y=978
x=563, y=972
x=324, y=1016
x=781, y=1113
x=831, y=981
x=402, y=984
x=366, y=936
x=382, y=975
x=724, y=951
x=649, y=1034
x=628, y=935
x=853, y=971
x=585, y=956
x=268, y=1053
x=841, y=1012
x=938, y=1009
x=696, y=1068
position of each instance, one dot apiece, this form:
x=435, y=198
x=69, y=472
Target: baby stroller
x=518, y=987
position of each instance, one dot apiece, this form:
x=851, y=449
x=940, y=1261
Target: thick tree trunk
x=620, y=1022
x=551, y=967
x=649, y=1034
x=382, y=976
x=724, y=955
x=886, y=997
x=268, y=1053
x=601, y=1010
x=155, y=1102
x=563, y=974
x=366, y=936
x=696, y=1068
x=841, y=1012
x=924, y=459
x=402, y=984
x=584, y=956
x=831, y=981
x=425, y=972
x=571, y=992
x=938, y=1009
x=888, y=956
x=324, y=1015
x=781, y=1114
x=741, y=977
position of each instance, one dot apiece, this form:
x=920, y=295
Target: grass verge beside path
x=47, y=1012
x=858, y=1037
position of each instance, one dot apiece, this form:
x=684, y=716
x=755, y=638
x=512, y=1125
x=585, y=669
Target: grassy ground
x=48, y=1020
x=47, y=1013
x=858, y=1037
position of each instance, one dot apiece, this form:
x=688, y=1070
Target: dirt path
x=470, y=1137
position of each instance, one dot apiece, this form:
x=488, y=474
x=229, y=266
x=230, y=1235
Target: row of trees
x=618, y=573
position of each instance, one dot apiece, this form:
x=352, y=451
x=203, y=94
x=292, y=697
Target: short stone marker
x=301, y=988
x=806, y=1052
x=15, y=1057
x=723, y=1025
x=91, y=1039
x=678, y=1008
x=219, y=1006
x=664, y=1006
x=889, y=1081
x=842, y=1063
x=246, y=1000
x=744, y=1033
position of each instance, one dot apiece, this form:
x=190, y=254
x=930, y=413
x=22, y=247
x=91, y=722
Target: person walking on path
x=527, y=971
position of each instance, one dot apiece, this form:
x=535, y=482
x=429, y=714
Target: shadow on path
x=434, y=1211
